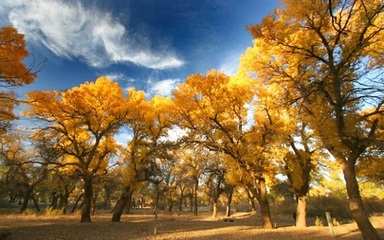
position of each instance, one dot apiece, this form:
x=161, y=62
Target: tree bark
x=301, y=211
x=120, y=205
x=264, y=205
x=87, y=199
x=181, y=198
x=77, y=202
x=252, y=202
x=356, y=206
x=214, y=208
x=26, y=199
x=128, y=205
x=55, y=198
x=170, y=203
x=35, y=202
x=195, y=202
x=191, y=201
x=229, y=194
x=181, y=203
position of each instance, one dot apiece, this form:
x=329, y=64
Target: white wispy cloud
x=119, y=77
x=71, y=30
x=230, y=63
x=163, y=87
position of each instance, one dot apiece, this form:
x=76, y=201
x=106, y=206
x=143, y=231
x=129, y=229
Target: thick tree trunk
x=301, y=211
x=120, y=205
x=264, y=205
x=87, y=199
x=356, y=206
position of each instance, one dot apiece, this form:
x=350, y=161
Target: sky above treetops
x=151, y=45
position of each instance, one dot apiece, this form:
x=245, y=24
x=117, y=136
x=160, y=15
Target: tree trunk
x=157, y=197
x=264, y=205
x=356, y=206
x=128, y=206
x=170, y=204
x=181, y=199
x=214, y=207
x=120, y=205
x=65, y=203
x=181, y=203
x=65, y=197
x=87, y=199
x=301, y=211
x=36, y=203
x=191, y=201
x=55, y=198
x=26, y=199
x=229, y=202
x=195, y=202
x=77, y=202
x=251, y=198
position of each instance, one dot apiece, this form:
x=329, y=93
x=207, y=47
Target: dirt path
x=141, y=226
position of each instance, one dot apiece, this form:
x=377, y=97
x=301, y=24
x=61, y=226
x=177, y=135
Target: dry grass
x=175, y=226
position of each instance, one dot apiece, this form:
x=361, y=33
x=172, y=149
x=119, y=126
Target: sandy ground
x=175, y=226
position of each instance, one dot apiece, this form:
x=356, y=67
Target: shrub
x=50, y=212
x=318, y=222
x=317, y=206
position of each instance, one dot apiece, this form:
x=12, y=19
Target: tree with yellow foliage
x=149, y=123
x=82, y=122
x=370, y=168
x=299, y=149
x=300, y=165
x=25, y=168
x=214, y=110
x=328, y=56
x=13, y=72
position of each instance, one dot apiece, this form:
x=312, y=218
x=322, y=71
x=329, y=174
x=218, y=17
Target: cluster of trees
x=310, y=92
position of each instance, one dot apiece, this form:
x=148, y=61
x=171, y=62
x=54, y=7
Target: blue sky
x=151, y=45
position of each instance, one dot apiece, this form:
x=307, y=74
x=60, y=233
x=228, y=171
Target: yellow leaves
x=98, y=106
x=82, y=121
x=7, y=104
x=214, y=96
x=12, y=52
x=13, y=72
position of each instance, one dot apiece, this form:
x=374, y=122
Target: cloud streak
x=163, y=87
x=71, y=30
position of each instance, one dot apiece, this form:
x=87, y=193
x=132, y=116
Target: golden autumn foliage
x=13, y=50
x=326, y=56
x=13, y=72
x=216, y=111
x=149, y=121
x=83, y=121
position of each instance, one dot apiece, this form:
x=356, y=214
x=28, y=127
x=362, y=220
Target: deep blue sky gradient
x=198, y=35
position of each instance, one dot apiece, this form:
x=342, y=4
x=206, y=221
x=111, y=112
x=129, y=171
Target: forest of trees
x=307, y=99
